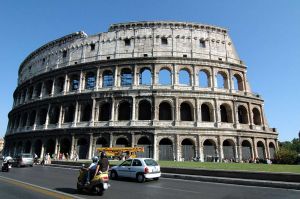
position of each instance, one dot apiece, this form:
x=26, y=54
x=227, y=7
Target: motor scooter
x=6, y=166
x=97, y=185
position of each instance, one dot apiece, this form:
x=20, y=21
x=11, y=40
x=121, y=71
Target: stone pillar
x=237, y=150
x=250, y=115
x=77, y=114
x=133, y=109
x=212, y=78
x=42, y=89
x=198, y=111
x=133, y=139
x=195, y=77
x=267, y=149
x=90, y=147
x=135, y=76
x=98, y=80
x=36, y=119
x=155, y=147
x=240, y=151
x=56, y=147
x=93, y=112
x=176, y=111
x=221, y=154
x=81, y=81
x=47, y=116
x=61, y=116
x=42, y=149
x=177, y=148
x=154, y=75
x=111, y=139
x=66, y=85
x=235, y=115
x=116, y=77
x=201, y=153
x=230, y=81
x=53, y=87
x=113, y=117
x=175, y=75
x=254, y=148
x=217, y=112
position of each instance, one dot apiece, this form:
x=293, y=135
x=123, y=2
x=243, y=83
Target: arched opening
x=90, y=80
x=32, y=118
x=148, y=148
x=187, y=150
x=204, y=79
x=145, y=110
x=243, y=115
x=82, y=148
x=43, y=116
x=145, y=76
x=228, y=150
x=104, y=112
x=209, y=151
x=226, y=115
x=261, y=150
x=164, y=77
x=185, y=112
x=184, y=77
x=38, y=90
x=107, y=79
x=122, y=142
x=19, y=147
x=124, y=111
x=30, y=93
x=27, y=147
x=272, y=150
x=166, y=149
x=38, y=148
x=86, y=113
x=69, y=114
x=24, y=119
x=246, y=151
x=222, y=80
x=65, y=148
x=126, y=77
x=74, y=83
x=59, y=85
x=101, y=142
x=50, y=147
x=238, y=82
x=54, y=115
x=48, y=87
x=256, y=116
x=205, y=113
x=165, y=111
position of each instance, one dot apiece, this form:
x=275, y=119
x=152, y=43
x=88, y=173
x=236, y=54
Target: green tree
x=286, y=156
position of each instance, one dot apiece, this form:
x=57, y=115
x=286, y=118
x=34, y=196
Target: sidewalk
x=286, y=181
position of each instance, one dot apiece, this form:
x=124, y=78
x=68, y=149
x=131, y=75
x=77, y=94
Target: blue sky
x=266, y=34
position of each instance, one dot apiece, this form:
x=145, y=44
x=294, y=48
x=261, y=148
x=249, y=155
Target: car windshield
x=26, y=156
x=150, y=162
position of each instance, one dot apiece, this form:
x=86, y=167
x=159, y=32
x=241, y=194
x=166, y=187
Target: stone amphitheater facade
x=178, y=89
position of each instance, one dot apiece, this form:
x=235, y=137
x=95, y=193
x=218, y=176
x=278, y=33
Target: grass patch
x=233, y=166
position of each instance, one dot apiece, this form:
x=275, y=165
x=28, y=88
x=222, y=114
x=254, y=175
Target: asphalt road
x=64, y=180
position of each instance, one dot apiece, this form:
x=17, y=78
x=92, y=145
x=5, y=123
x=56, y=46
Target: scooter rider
x=91, y=169
x=103, y=164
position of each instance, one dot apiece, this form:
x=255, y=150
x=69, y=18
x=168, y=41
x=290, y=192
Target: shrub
x=285, y=156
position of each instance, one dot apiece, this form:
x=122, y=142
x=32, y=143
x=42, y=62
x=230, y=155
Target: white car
x=138, y=168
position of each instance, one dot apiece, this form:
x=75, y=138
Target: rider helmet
x=95, y=159
x=103, y=154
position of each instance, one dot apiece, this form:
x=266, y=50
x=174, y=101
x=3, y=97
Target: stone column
x=212, y=78
x=254, y=148
x=73, y=146
x=42, y=89
x=93, y=112
x=267, y=149
x=81, y=81
x=133, y=139
x=113, y=117
x=195, y=79
x=116, y=77
x=217, y=113
x=36, y=119
x=98, y=80
x=56, y=147
x=154, y=75
x=42, y=150
x=90, y=147
x=47, y=116
x=133, y=109
x=175, y=75
x=134, y=75
x=77, y=114
x=176, y=111
x=235, y=115
x=111, y=139
x=238, y=150
x=198, y=112
x=230, y=81
x=155, y=147
x=66, y=85
x=177, y=148
x=53, y=87
x=61, y=116
x=221, y=154
x=250, y=115
x=201, y=153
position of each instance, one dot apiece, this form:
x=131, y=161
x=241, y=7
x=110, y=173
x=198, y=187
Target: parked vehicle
x=6, y=165
x=138, y=168
x=23, y=159
x=97, y=185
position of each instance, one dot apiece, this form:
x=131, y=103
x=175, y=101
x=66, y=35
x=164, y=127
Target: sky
x=266, y=34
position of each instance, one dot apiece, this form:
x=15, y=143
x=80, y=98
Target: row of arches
x=124, y=108
x=88, y=80
x=166, y=149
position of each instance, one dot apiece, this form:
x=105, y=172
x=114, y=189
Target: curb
x=224, y=180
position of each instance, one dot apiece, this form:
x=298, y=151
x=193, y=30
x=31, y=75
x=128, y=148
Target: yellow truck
x=120, y=152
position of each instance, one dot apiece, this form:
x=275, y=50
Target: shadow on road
x=67, y=190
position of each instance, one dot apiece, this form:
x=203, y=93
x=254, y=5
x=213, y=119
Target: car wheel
x=156, y=179
x=114, y=175
x=140, y=178
x=99, y=190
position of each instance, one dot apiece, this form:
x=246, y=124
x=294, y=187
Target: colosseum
x=178, y=89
